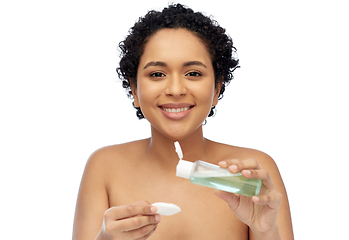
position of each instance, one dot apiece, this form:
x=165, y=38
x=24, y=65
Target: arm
x=269, y=215
x=93, y=217
x=283, y=221
x=92, y=200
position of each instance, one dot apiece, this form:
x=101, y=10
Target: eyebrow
x=156, y=63
x=163, y=64
x=197, y=63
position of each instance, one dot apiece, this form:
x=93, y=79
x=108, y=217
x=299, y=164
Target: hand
x=259, y=213
x=135, y=221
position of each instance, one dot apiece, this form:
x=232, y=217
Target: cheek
x=147, y=92
x=142, y=90
x=204, y=92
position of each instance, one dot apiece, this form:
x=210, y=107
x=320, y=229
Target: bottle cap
x=184, y=169
x=178, y=150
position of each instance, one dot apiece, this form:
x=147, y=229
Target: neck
x=162, y=147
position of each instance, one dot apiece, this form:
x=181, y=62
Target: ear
x=134, y=93
x=216, y=93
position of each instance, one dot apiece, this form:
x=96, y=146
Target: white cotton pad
x=166, y=209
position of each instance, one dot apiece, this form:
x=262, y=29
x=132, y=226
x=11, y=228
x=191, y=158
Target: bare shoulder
x=111, y=162
x=222, y=151
x=93, y=198
x=229, y=151
x=116, y=154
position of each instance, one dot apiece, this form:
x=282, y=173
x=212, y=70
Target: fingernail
x=157, y=218
x=222, y=164
x=233, y=168
x=247, y=172
x=153, y=209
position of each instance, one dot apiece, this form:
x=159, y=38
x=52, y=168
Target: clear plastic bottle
x=210, y=175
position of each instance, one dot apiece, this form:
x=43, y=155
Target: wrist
x=272, y=234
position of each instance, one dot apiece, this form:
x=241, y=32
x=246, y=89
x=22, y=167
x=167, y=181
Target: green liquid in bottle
x=234, y=183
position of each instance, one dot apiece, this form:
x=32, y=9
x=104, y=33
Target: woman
x=175, y=64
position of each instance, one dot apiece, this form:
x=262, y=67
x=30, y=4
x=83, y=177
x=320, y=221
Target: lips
x=176, y=111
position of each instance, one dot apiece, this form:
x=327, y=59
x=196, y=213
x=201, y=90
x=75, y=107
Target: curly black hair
x=218, y=43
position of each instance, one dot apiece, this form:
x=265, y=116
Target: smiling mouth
x=176, y=110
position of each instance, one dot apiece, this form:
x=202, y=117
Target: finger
x=272, y=199
x=142, y=233
x=150, y=233
x=256, y=174
x=236, y=165
x=122, y=212
x=137, y=222
x=260, y=174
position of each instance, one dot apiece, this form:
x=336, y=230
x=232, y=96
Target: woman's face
x=175, y=83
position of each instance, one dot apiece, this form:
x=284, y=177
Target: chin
x=178, y=132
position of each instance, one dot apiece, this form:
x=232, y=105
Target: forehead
x=175, y=45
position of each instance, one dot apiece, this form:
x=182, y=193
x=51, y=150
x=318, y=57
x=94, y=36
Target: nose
x=176, y=86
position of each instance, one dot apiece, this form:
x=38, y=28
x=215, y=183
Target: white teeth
x=175, y=110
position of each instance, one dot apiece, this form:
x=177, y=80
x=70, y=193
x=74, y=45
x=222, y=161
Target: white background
x=61, y=100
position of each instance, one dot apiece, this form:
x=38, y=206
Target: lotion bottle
x=210, y=175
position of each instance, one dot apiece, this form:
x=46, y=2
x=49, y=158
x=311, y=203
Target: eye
x=157, y=75
x=193, y=74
